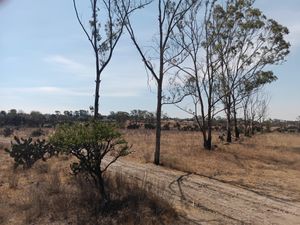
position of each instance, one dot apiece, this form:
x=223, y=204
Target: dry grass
x=268, y=163
x=48, y=194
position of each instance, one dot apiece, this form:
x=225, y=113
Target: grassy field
x=48, y=194
x=268, y=164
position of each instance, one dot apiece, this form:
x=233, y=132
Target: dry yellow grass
x=268, y=164
x=48, y=194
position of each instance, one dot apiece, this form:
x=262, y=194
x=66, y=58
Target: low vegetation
x=267, y=163
x=90, y=143
x=55, y=197
x=46, y=193
x=26, y=152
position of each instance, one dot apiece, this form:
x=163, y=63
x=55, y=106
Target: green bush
x=90, y=142
x=26, y=152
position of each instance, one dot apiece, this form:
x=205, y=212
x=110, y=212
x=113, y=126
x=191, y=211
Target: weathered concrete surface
x=207, y=201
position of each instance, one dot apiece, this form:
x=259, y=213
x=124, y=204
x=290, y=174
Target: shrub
x=149, y=126
x=37, y=133
x=90, y=142
x=133, y=126
x=26, y=151
x=166, y=126
x=7, y=132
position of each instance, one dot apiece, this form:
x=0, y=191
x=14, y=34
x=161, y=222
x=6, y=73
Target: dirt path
x=206, y=201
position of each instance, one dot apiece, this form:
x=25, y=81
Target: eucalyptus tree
x=196, y=77
x=246, y=43
x=105, y=29
x=159, y=56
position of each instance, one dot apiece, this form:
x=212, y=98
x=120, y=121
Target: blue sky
x=46, y=63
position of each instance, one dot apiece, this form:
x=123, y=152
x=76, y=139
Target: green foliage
x=80, y=135
x=90, y=143
x=26, y=152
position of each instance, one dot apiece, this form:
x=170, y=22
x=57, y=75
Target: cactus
x=26, y=152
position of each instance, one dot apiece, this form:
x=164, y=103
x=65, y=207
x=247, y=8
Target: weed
x=37, y=204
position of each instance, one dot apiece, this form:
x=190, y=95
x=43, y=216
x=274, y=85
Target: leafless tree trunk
x=169, y=14
x=197, y=74
x=104, y=35
x=235, y=120
x=255, y=107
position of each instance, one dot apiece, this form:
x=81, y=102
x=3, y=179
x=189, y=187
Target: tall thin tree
x=169, y=14
x=106, y=27
x=247, y=43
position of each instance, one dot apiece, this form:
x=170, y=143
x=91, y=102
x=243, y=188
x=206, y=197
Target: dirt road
x=207, y=201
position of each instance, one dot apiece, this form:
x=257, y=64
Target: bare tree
x=161, y=53
x=255, y=108
x=197, y=74
x=106, y=27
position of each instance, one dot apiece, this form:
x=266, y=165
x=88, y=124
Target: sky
x=47, y=64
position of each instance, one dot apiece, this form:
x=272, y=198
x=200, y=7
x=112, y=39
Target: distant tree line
x=37, y=119
x=143, y=119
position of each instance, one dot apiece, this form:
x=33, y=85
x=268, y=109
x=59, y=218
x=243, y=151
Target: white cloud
x=46, y=90
x=109, y=91
x=69, y=65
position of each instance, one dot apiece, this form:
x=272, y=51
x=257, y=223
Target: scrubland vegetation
x=55, y=168
x=48, y=194
x=267, y=164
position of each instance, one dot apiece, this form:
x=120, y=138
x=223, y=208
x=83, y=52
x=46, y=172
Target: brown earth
x=253, y=181
x=208, y=201
x=268, y=164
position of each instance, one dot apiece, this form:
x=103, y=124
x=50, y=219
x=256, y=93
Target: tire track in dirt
x=208, y=201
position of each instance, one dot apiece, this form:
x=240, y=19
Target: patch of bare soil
x=209, y=201
x=267, y=164
x=252, y=181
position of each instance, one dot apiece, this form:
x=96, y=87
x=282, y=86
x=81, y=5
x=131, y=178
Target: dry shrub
x=137, y=203
x=48, y=200
x=60, y=205
x=129, y=204
x=42, y=168
x=87, y=195
x=2, y=216
x=37, y=204
x=53, y=183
